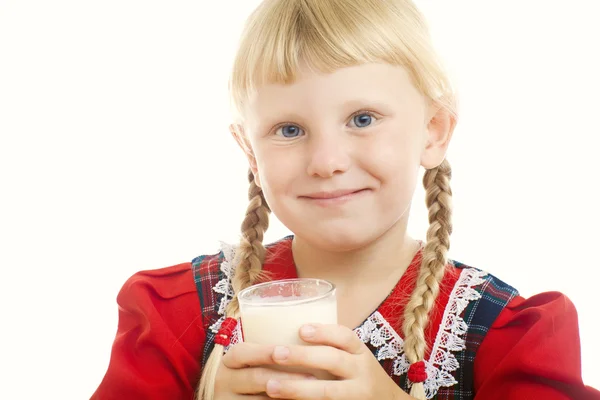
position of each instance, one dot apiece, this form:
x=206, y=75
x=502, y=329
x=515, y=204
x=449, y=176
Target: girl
x=338, y=103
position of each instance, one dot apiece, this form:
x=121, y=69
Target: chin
x=338, y=239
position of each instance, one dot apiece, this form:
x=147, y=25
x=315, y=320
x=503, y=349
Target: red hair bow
x=417, y=373
x=224, y=335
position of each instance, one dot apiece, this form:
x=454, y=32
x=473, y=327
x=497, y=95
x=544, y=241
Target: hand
x=243, y=373
x=339, y=351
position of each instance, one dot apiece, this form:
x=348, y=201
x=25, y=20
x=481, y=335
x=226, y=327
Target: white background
x=115, y=157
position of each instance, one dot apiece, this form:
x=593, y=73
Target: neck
x=384, y=259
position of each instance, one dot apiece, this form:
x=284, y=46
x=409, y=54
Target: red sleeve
x=157, y=350
x=532, y=351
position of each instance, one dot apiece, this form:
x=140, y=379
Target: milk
x=280, y=324
x=276, y=319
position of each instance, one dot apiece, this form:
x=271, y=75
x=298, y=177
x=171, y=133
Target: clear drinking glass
x=273, y=312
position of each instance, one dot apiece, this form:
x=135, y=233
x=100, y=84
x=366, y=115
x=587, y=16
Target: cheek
x=277, y=170
x=392, y=157
x=395, y=163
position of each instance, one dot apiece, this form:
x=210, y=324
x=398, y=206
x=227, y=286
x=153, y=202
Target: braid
x=249, y=260
x=416, y=315
x=251, y=252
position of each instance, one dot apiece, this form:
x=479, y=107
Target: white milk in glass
x=273, y=312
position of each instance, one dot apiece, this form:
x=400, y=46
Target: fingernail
x=308, y=331
x=273, y=387
x=281, y=353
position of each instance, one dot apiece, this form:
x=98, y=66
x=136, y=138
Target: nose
x=328, y=155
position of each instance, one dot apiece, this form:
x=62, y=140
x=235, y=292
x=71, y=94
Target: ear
x=237, y=131
x=439, y=130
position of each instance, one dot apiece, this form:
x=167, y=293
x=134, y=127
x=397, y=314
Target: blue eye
x=362, y=120
x=289, y=131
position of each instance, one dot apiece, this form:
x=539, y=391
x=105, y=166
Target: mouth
x=336, y=196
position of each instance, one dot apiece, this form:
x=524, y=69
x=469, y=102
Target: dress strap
x=207, y=274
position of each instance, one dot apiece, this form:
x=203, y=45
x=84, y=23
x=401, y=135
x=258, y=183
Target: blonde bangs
x=282, y=36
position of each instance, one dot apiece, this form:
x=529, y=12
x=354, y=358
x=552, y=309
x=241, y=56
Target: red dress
x=530, y=351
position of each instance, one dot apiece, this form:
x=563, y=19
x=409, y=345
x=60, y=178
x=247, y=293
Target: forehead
x=314, y=92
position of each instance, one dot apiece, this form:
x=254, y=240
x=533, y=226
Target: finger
x=336, y=361
x=253, y=380
x=244, y=355
x=311, y=390
x=337, y=336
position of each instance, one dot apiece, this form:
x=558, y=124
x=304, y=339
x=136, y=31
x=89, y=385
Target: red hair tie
x=417, y=373
x=224, y=334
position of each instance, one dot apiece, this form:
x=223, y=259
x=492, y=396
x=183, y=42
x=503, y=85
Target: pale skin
x=364, y=130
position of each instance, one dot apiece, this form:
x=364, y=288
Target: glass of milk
x=273, y=312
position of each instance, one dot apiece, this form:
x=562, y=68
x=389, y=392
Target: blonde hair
x=249, y=259
x=282, y=36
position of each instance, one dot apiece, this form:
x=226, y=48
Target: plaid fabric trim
x=479, y=315
x=207, y=273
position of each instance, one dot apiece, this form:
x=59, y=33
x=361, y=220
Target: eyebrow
x=364, y=103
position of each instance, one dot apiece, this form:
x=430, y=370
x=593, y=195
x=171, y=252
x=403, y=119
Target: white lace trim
x=214, y=328
x=236, y=337
x=377, y=331
x=451, y=333
x=224, y=287
x=380, y=334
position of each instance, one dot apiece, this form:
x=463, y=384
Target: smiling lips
x=334, y=197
